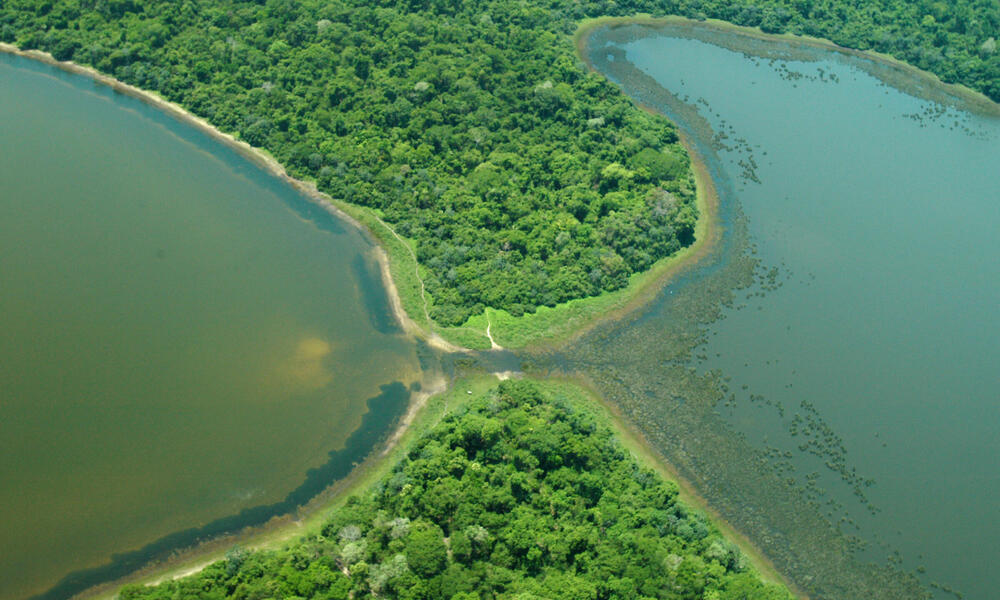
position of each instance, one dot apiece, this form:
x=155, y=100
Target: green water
x=876, y=336
x=181, y=336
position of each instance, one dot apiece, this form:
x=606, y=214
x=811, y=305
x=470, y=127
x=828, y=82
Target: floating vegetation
x=646, y=365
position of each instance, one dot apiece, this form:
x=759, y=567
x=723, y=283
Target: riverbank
x=494, y=329
x=426, y=408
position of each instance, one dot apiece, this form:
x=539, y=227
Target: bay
x=184, y=338
x=863, y=362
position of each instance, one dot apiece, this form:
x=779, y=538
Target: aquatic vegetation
x=647, y=366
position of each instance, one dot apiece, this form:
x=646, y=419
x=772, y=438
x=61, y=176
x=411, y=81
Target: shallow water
x=182, y=336
x=876, y=336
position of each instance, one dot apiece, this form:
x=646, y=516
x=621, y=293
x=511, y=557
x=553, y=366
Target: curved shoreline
x=568, y=327
x=708, y=201
x=262, y=160
x=886, y=69
x=281, y=526
x=644, y=286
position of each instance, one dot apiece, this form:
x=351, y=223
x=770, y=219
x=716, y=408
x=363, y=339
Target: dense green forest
x=517, y=495
x=470, y=126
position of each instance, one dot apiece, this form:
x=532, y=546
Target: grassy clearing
x=402, y=264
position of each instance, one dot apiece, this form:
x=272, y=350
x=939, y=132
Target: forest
x=470, y=127
x=516, y=494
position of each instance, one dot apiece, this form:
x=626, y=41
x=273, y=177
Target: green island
x=519, y=492
x=519, y=199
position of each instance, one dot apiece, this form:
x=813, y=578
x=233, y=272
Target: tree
x=425, y=551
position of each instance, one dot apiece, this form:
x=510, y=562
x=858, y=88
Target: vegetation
x=515, y=495
x=468, y=126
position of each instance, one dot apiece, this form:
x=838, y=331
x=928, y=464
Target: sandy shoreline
x=418, y=401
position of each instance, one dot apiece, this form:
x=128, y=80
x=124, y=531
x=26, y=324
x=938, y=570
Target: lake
x=840, y=403
x=187, y=344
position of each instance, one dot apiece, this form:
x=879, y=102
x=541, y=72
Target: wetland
x=815, y=376
x=821, y=376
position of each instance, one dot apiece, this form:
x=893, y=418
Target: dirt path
x=493, y=344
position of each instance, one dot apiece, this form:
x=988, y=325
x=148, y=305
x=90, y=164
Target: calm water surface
x=880, y=211
x=181, y=336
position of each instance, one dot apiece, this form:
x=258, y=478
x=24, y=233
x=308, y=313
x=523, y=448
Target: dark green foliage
x=541, y=502
x=470, y=126
x=652, y=165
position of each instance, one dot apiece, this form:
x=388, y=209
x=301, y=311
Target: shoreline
x=567, y=328
x=282, y=528
x=262, y=160
x=643, y=286
x=886, y=69
x=708, y=233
